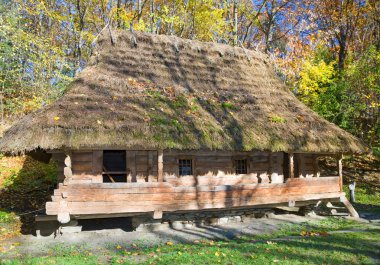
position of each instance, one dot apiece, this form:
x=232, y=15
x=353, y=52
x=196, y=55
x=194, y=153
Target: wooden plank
x=241, y=190
x=167, y=187
x=97, y=162
x=349, y=207
x=82, y=167
x=165, y=198
x=150, y=162
x=100, y=208
x=302, y=170
x=82, y=156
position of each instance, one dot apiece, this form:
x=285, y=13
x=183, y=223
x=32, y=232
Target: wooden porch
x=213, y=185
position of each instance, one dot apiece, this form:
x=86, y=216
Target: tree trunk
x=235, y=30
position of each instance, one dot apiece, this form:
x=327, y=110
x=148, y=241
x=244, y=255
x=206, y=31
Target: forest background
x=328, y=52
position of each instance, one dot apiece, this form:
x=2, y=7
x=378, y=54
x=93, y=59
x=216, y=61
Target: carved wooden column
x=63, y=215
x=160, y=177
x=67, y=170
x=340, y=171
x=291, y=165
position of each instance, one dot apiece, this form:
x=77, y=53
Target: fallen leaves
x=169, y=243
x=312, y=233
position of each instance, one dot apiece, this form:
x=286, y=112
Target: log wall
x=213, y=185
x=142, y=166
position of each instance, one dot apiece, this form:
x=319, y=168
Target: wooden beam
x=160, y=165
x=291, y=165
x=340, y=171
x=349, y=207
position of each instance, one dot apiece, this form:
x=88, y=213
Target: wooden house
x=157, y=124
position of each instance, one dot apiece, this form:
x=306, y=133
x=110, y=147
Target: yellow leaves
x=169, y=243
x=56, y=118
x=312, y=233
x=118, y=247
x=315, y=77
x=217, y=254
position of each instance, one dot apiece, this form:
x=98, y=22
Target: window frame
x=241, y=158
x=110, y=173
x=191, y=158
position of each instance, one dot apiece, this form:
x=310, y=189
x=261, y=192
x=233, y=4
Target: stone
x=149, y=227
x=211, y=221
x=223, y=220
x=176, y=225
x=71, y=229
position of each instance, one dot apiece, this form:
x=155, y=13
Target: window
x=114, y=166
x=241, y=166
x=185, y=167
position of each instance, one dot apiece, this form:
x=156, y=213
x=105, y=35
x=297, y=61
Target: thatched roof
x=152, y=91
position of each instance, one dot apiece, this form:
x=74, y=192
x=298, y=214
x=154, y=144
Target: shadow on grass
x=349, y=248
x=27, y=190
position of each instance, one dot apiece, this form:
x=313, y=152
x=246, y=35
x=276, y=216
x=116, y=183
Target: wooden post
x=291, y=165
x=131, y=164
x=63, y=215
x=340, y=171
x=160, y=165
x=316, y=167
x=67, y=170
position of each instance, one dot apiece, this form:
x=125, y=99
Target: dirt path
x=103, y=240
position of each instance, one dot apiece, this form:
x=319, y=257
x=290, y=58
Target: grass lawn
x=351, y=243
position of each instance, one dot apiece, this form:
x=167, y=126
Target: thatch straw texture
x=150, y=91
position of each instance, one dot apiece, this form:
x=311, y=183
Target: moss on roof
x=153, y=91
